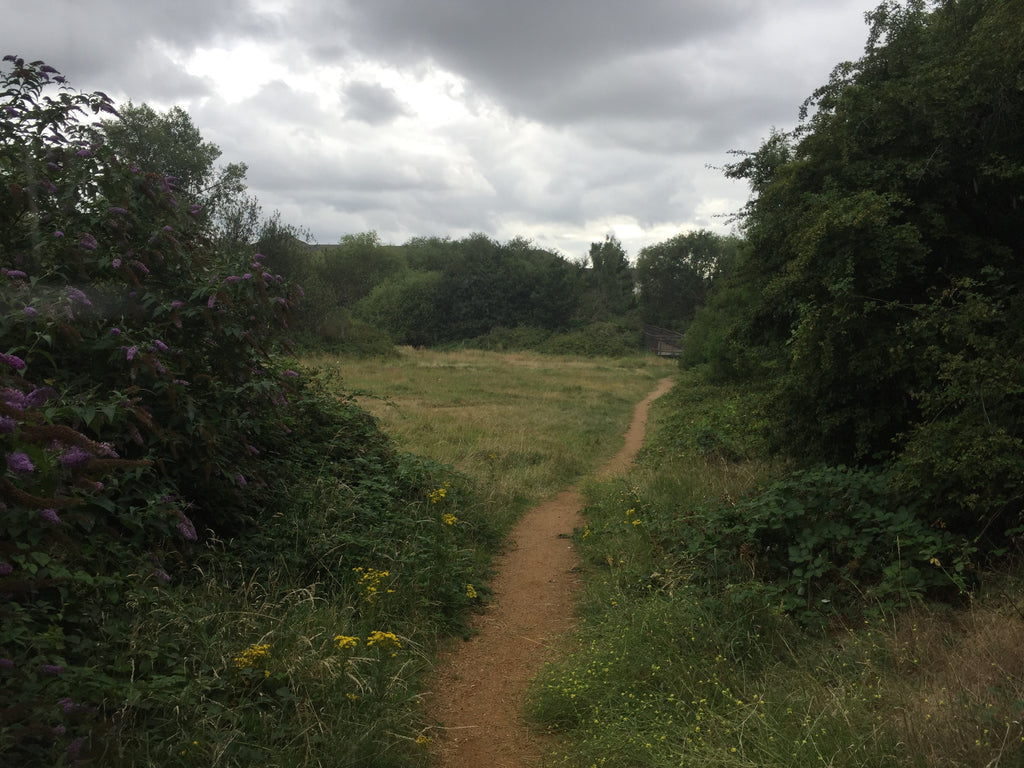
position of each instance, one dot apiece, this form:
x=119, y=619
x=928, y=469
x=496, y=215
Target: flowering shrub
x=138, y=395
x=148, y=424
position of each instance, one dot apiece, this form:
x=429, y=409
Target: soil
x=477, y=689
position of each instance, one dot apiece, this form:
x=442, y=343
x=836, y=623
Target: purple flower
x=83, y=153
x=177, y=304
x=160, y=345
x=40, y=396
x=51, y=669
x=13, y=360
x=258, y=257
x=89, y=242
x=7, y=425
x=131, y=351
x=58, y=234
x=50, y=516
x=115, y=332
x=211, y=301
x=77, y=296
x=290, y=373
x=20, y=462
x=141, y=267
x=232, y=279
x=116, y=209
x=116, y=263
x=168, y=228
x=13, y=398
x=5, y=570
x=162, y=575
x=75, y=457
x=186, y=528
x=30, y=312
x=75, y=749
x=247, y=276
x=68, y=706
x=14, y=274
x=240, y=479
x=195, y=209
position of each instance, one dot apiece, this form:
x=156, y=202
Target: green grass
x=672, y=667
x=305, y=641
x=523, y=426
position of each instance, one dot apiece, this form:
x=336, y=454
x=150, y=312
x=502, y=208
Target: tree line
x=363, y=294
x=879, y=301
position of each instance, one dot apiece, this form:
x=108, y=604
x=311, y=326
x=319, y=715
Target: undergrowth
x=723, y=622
x=206, y=557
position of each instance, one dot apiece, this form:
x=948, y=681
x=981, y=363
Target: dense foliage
x=674, y=278
x=734, y=615
x=361, y=294
x=882, y=292
x=161, y=458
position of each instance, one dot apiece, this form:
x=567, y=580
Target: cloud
x=373, y=103
x=558, y=121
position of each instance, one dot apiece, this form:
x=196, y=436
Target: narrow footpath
x=477, y=691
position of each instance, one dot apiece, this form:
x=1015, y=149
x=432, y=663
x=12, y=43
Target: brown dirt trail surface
x=478, y=687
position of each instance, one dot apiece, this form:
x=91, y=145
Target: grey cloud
x=568, y=111
x=373, y=103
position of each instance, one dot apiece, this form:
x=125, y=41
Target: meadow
x=687, y=657
x=522, y=426
x=674, y=662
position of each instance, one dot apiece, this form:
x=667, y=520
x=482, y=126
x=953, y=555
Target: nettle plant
x=140, y=396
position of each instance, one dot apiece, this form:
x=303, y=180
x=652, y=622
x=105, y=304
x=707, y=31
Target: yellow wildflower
x=369, y=583
x=383, y=639
x=470, y=592
x=449, y=519
x=346, y=641
x=252, y=656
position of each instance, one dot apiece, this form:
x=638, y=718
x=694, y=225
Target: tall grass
x=669, y=667
x=522, y=425
x=304, y=642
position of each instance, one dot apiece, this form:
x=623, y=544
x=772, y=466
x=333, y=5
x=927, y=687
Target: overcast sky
x=556, y=120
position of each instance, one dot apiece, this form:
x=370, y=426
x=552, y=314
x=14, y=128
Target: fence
x=662, y=341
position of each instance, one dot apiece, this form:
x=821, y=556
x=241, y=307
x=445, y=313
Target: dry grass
x=522, y=425
x=962, y=682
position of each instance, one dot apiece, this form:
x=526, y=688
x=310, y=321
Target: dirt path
x=478, y=688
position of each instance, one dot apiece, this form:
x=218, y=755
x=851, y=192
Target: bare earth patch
x=477, y=691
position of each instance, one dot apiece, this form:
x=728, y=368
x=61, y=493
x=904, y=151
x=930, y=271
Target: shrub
x=826, y=540
x=158, y=451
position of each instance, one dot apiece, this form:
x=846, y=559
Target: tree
x=169, y=144
x=887, y=263
x=610, y=279
x=675, y=277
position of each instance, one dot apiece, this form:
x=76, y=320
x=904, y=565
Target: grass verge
x=673, y=666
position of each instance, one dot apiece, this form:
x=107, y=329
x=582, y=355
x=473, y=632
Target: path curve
x=478, y=686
